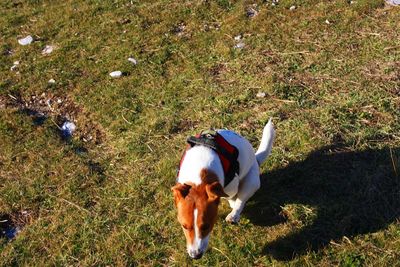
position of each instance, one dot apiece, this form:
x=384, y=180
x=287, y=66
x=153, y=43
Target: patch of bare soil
x=217, y=71
x=12, y=224
x=58, y=109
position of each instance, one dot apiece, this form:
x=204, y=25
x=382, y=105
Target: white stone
x=238, y=37
x=52, y=81
x=68, y=128
x=25, y=41
x=260, y=95
x=47, y=50
x=132, y=60
x=292, y=8
x=239, y=45
x=393, y=2
x=15, y=65
x=251, y=12
x=327, y=22
x=116, y=74
x=48, y=103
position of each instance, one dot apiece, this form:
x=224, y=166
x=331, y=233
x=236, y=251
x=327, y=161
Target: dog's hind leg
x=247, y=187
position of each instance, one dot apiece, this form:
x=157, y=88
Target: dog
x=201, y=184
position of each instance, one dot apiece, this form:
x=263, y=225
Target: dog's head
x=197, y=211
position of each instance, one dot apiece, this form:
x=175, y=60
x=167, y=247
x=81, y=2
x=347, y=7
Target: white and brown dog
x=201, y=184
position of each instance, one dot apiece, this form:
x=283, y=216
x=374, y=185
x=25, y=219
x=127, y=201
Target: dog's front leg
x=232, y=202
x=247, y=187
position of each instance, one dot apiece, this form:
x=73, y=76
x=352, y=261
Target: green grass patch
x=330, y=74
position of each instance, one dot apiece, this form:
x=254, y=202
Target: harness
x=227, y=153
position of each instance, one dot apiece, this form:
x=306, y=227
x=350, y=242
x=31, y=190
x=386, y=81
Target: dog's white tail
x=266, y=142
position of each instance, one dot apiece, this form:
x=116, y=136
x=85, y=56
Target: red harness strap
x=227, y=153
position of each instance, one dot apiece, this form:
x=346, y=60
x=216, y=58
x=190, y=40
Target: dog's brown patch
x=205, y=198
x=208, y=177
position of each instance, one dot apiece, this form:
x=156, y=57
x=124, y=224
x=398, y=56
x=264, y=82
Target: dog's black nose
x=198, y=256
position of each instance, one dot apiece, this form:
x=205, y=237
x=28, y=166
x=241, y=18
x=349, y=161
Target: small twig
x=391, y=47
x=59, y=128
x=293, y=53
x=369, y=33
x=224, y=255
x=13, y=97
x=336, y=79
x=73, y=258
x=122, y=115
x=393, y=163
x=334, y=243
x=283, y=100
x=347, y=239
x=228, y=35
x=71, y=203
x=128, y=235
x=152, y=50
x=150, y=148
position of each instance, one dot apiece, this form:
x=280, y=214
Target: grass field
x=330, y=71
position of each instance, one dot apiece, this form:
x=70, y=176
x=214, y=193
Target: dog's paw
x=232, y=218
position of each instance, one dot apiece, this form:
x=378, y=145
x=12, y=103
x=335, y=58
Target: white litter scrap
x=327, y=22
x=239, y=42
x=239, y=45
x=52, y=81
x=393, y=2
x=292, y=8
x=68, y=128
x=25, y=41
x=47, y=50
x=132, y=60
x=48, y=103
x=11, y=232
x=260, y=95
x=179, y=29
x=251, y=12
x=116, y=74
x=14, y=66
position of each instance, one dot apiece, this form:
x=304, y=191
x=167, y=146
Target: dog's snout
x=195, y=254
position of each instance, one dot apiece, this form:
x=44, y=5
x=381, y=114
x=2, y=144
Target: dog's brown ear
x=215, y=191
x=180, y=191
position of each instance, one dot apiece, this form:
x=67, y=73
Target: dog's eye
x=186, y=227
x=204, y=227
